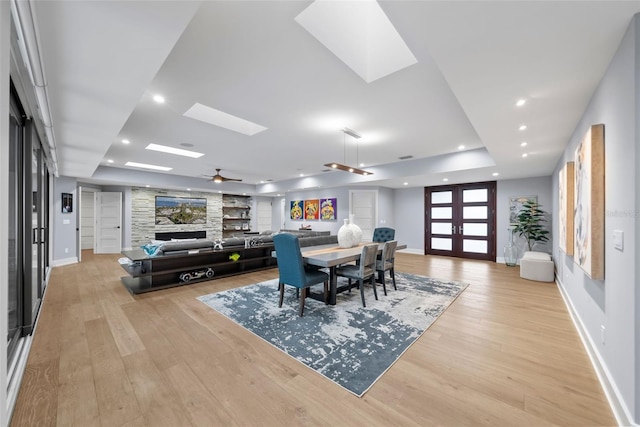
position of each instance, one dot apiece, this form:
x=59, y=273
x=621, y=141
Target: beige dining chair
x=386, y=263
x=365, y=270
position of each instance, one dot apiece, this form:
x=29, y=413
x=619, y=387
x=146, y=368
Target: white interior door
x=87, y=220
x=108, y=230
x=363, y=205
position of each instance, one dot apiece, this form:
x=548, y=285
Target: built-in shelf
x=236, y=219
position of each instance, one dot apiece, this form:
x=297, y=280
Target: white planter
x=349, y=235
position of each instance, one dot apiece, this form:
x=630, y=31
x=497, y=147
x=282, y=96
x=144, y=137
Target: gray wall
x=409, y=218
x=612, y=303
x=65, y=238
x=386, y=209
x=541, y=187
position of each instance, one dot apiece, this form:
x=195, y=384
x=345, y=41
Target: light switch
x=618, y=239
x=66, y=221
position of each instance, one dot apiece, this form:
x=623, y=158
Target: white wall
x=65, y=240
x=4, y=195
x=612, y=303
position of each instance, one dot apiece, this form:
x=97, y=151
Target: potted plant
x=529, y=224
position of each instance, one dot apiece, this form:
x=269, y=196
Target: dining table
x=331, y=256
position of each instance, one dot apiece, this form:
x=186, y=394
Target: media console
x=152, y=273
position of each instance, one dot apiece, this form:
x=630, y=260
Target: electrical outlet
x=602, y=334
x=66, y=250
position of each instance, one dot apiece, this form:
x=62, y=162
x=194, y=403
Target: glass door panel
x=474, y=229
x=476, y=195
x=440, y=197
x=474, y=246
x=474, y=212
x=442, y=228
x=442, y=213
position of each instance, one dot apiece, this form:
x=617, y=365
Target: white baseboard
x=65, y=261
x=618, y=406
x=412, y=251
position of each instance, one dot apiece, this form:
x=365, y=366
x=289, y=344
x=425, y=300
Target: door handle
x=34, y=235
x=118, y=226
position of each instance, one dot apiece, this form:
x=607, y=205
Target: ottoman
x=537, y=266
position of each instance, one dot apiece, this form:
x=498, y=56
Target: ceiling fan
x=217, y=178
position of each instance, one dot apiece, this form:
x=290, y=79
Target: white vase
x=349, y=235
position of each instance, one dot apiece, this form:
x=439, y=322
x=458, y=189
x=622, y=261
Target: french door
x=460, y=220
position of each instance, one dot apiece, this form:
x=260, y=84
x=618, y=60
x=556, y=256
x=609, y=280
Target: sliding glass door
x=460, y=220
x=15, y=207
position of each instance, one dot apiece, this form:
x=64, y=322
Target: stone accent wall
x=143, y=202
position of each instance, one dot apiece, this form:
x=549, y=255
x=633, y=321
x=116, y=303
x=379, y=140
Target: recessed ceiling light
x=523, y=144
x=522, y=127
x=521, y=102
x=125, y=141
x=219, y=118
x=109, y=161
x=405, y=183
x=172, y=150
x=147, y=186
x=159, y=99
x=524, y=155
x=495, y=174
x=262, y=182
x=301, y=174
x=361, y=165
x=445, y=179
x=219, y=191
x=460, y=147
x=146, y=166
x=188, y=189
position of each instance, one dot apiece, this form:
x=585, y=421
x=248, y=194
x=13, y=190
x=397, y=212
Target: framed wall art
x=588, y=217
x=296, y=210
x=566, y=195
x=67, y=203
x=311, y=209
x=515, y=205
x=328, y=209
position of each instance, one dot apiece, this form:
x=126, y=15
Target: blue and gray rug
x=351, y=345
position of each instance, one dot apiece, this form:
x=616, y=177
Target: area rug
x=347, y=343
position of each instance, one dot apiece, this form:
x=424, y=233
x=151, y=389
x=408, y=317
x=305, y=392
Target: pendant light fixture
x=344, y=166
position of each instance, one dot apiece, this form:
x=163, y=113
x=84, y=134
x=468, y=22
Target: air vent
x=405, y=157
x=325, y=170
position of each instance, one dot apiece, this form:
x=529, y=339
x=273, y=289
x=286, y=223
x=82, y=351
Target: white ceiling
x=104, y=60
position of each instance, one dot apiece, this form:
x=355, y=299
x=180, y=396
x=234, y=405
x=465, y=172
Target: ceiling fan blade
x=231, y=179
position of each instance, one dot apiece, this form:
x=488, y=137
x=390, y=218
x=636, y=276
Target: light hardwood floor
x=505, y=353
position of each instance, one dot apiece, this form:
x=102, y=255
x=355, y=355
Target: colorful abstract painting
x=297, y=209
x=565, y=207
x=588, y=215
x=311, y=209
x=328, y=209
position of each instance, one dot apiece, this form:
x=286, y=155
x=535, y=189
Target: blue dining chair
x=383, y=234
x=292, y=270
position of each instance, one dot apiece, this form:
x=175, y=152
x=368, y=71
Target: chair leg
x=393, y=277
x=384, y=285
x=281, y=286
x=302, y=298
x=362, y=292
x=326, y=292
x=373, y=282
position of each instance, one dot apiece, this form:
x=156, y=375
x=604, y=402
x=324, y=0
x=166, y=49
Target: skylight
x=172, y=150
x=220, y=118
x=146, y=166
x=360, y=34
